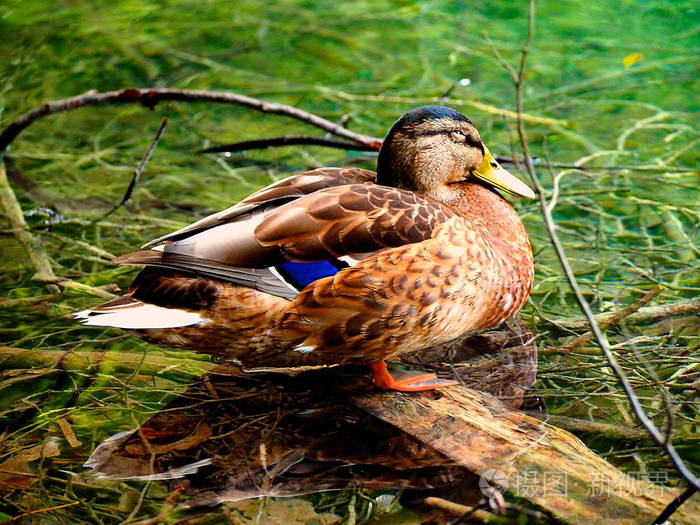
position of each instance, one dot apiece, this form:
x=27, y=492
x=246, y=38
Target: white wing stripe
x=141, y=317
x=274, y=272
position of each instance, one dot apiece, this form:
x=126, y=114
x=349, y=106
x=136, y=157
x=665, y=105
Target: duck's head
x=432, y=149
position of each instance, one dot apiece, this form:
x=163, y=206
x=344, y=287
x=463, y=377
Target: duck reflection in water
x=233, y=436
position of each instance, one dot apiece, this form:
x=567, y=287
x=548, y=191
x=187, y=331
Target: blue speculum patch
x=301, y=274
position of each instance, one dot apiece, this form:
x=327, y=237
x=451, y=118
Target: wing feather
x=276, y=194
x=359, y=218
x=351, y=220
x=263, y=279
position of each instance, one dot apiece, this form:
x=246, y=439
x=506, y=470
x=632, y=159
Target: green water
x=625, y=230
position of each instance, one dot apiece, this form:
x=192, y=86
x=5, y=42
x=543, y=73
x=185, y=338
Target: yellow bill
x=492, y=173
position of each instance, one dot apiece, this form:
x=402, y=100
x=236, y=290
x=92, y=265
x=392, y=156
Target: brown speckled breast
x=476, y=272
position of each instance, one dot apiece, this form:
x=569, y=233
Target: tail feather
x=131, y=314
x=140, y=257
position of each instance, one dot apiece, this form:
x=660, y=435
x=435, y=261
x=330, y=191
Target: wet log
x=535, y=460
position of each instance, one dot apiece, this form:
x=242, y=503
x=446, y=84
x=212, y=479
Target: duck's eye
x=458, y=135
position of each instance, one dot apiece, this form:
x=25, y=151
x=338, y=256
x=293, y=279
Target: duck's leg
x=405, y=380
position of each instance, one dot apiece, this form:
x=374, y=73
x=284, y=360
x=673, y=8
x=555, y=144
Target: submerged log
x=535, y=460
x=152, y=364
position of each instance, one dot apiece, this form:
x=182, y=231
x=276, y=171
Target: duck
x=343, y=265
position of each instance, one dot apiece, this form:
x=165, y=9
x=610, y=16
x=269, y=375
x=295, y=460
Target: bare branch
x=291, y=140
x=150, y=97
x=457, y=509
x=615, y=318
x=311, y=140
x=593, y=427
x=137, y=172
x=598, y=334
x=644, y=315
x=499, y=58
x=142, y=164
x=673, y=506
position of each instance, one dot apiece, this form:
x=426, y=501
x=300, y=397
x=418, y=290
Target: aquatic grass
x=626, y=231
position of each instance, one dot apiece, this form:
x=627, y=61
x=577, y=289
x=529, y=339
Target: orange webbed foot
x=405, y=380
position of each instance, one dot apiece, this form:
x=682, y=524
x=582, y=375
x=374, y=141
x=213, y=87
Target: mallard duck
x=343, y=265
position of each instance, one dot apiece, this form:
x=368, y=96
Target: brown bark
x=565, y=477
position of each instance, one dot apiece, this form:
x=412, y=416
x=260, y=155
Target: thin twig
x=150, y=97
x=674, y=505
x=49, y=509
x=290, y=140
x=144, y=161
x=79, y=287
x=644, y=315
x=550, y=225
x=310, y=140
x=456, y=508
x=593, y=427
x=137, y=172
x=615, y=319
x=652, y=169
